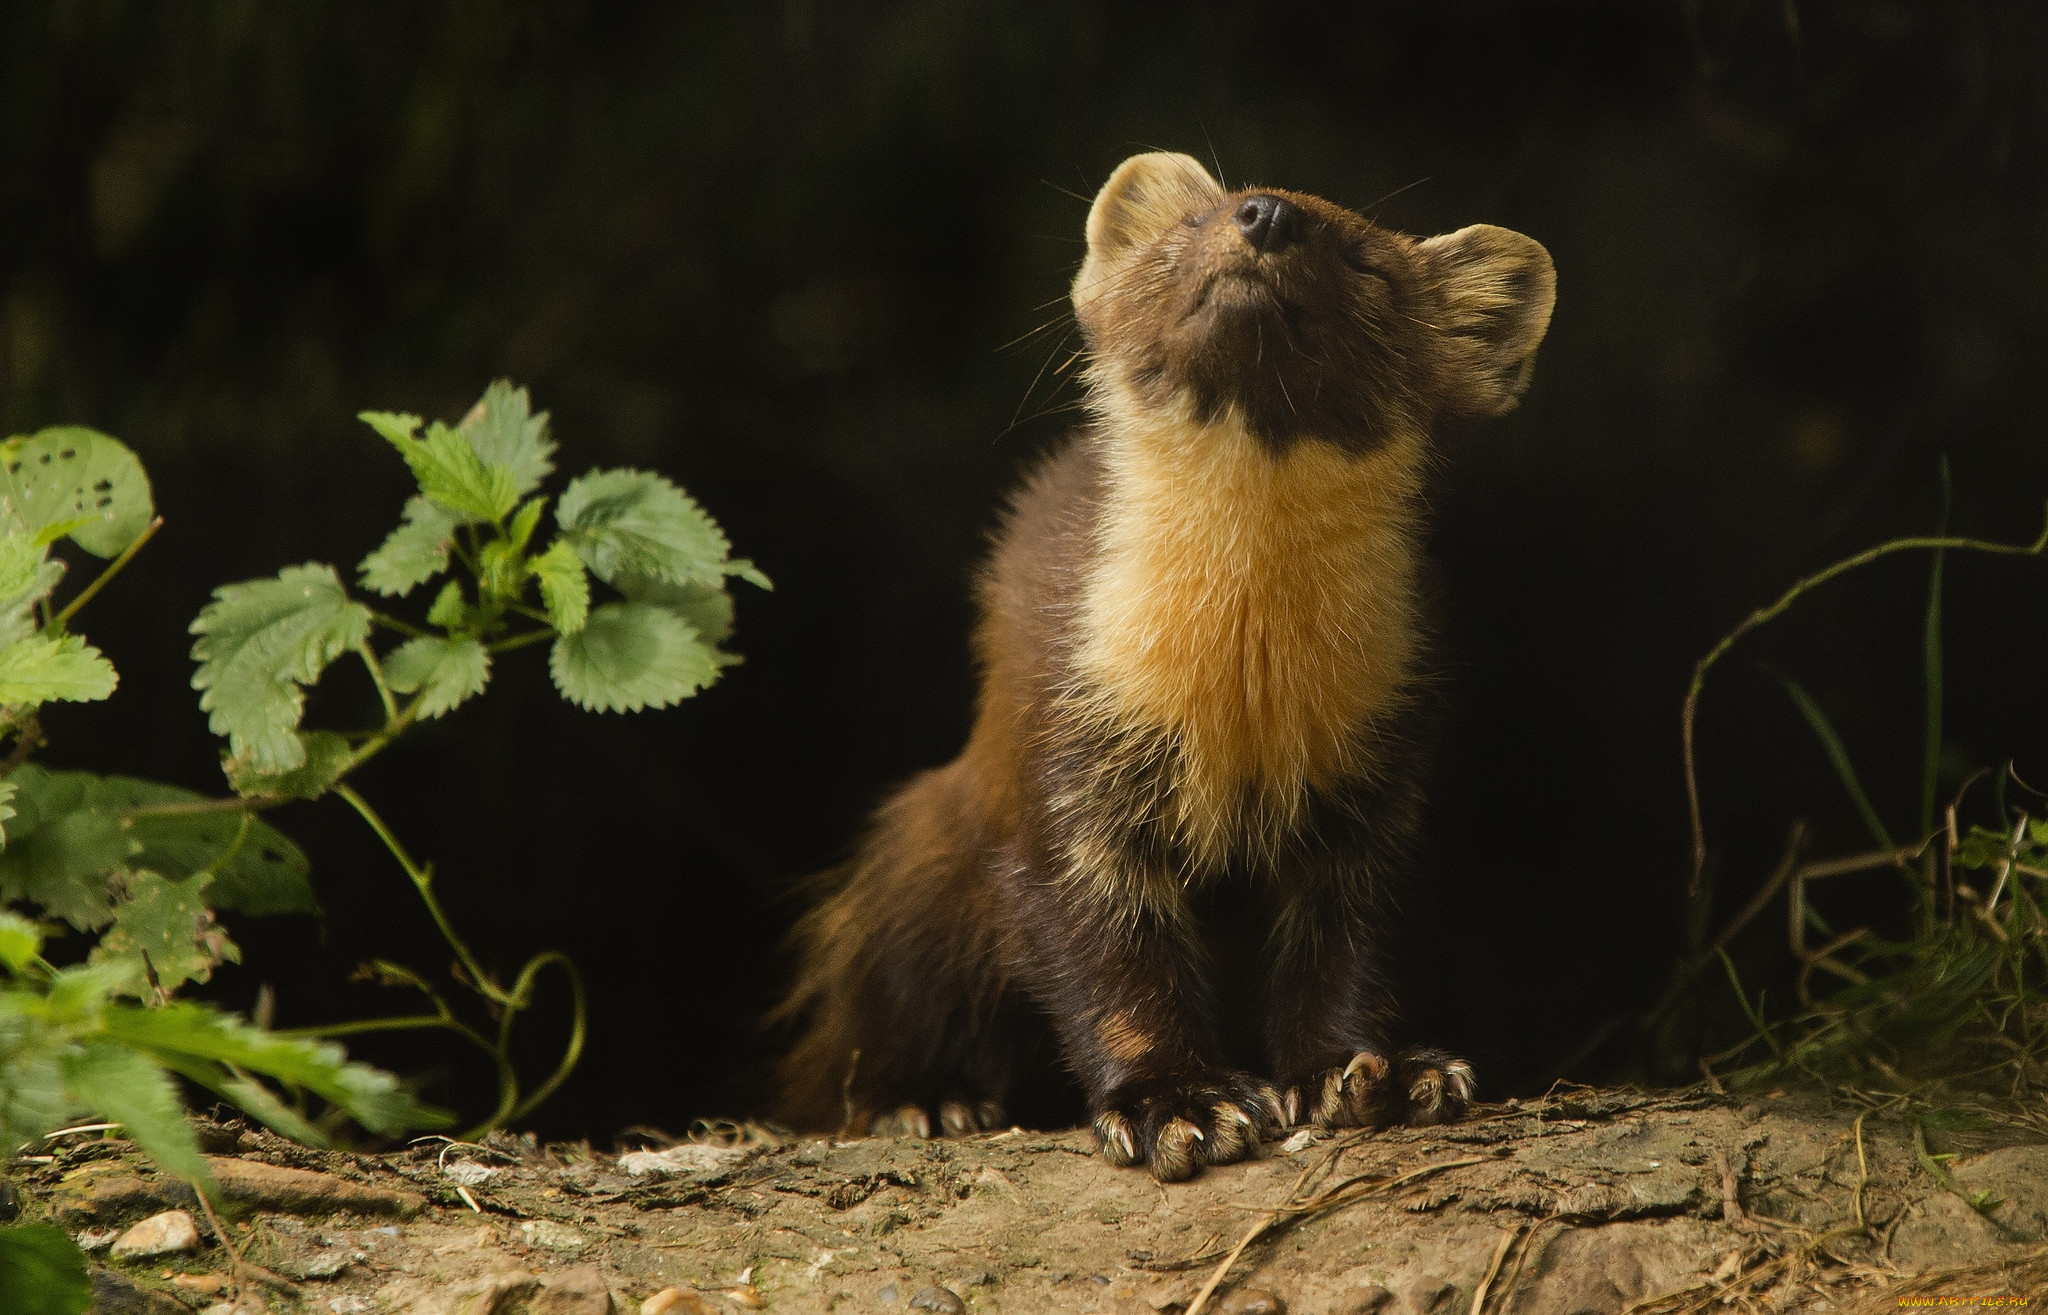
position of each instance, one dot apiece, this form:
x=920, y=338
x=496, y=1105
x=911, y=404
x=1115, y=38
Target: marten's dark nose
x=1268, y=223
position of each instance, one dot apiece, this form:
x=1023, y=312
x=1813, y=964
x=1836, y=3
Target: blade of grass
x=1839, y=756
x=1930, y=754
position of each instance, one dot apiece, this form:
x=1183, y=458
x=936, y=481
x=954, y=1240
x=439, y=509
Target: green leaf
x=749, y=572
x=164, y=927
x=32, y=1099
x=20, y=940
x=254, y=867
x=520, y=532
x=61, y=856
x=1839, y=756
x=501, y=570
x=40, y=669
x=128, y=1088
x=7, y=789
x=631, y=656
x=414, y=553
x=628, y=521
x=708, y=610
x=42, y=1272
x=259, y=642
x=327, y=757
x=446, y=672
x=564, y=586
x=17, y=615
x=21, y=562
x=504, y=432
x=449, y=611
x=449, y=470
x=69, y=474
x=372, y=1098
x=395, y=426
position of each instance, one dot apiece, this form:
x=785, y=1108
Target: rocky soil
x=1586, y=1201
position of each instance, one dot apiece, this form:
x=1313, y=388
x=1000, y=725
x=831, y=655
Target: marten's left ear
x=1147, y=195
x=1498, y=288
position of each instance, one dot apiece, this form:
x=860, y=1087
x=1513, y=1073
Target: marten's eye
x=1359, y=257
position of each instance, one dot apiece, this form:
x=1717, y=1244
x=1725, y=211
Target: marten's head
x=1302, y=319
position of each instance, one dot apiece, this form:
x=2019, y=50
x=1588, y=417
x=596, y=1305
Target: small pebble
x=200, y=1282
x=555, y=1237
x=96, y=1239
x=1253, y=1301
x=159, y=1235
x=939, y=1299
x=887, y=1295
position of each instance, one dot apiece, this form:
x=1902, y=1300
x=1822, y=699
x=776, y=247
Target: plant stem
x=578, y=1028
x=521, y=640
x=1764, y=614
x=369, y=657
x=423, y=881
x=389, y=622
x=85, y=595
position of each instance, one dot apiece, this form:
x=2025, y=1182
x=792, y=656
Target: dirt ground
x=1587, y=1201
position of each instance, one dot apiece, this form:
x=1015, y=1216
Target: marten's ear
x=1498, y=288
x=1145, y=196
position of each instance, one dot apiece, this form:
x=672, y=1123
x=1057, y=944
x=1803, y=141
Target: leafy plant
x=628, y=592
x=139, y=866
x=1962, y=1000
x=477, y=521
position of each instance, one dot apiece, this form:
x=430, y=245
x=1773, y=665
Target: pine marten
x=1170, y=861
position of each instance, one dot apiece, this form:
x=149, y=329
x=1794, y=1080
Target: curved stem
x=376, y=669
x=578, y=1030
x=86, y=594
x=522, y=640
x=423, y=881
x=1763, y=614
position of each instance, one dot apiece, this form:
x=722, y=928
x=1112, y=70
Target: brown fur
x=1168, y=860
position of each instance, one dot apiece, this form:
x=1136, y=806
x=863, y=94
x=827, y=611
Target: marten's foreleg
x=1333, y=1021
x=1124, y=982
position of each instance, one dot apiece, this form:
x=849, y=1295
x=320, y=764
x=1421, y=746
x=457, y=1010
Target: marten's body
x=1170, y=859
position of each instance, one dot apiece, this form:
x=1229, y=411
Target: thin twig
x=86, y=594
x=1689, y=710
x=1500, y=1253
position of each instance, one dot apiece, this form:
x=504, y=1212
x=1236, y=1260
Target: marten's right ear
x=1498, y=288
x=1145, y=196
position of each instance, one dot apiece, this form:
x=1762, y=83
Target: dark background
x=775, y=250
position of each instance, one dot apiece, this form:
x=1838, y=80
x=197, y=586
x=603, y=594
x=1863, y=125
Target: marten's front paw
x=1422, y=1086
x=957, y=1118
x=1176, y=1125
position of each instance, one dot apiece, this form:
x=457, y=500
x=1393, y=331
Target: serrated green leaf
x=20, y=940
x=21, y=561
x=7, y=789
x=752, y=574
x=17, y=615
x=42, y=669
x=254, y=867
x=631, y=656
x=519, y=532
x=451, y=473
x=445, y=672
x=42, y=1272
x=71, y=474
x=412, y=554
x=501, y=570
x=505, y=432
x=32, y=1099
x=449, y=611
x=327, y=758
x=372, y=1098
x=165, y=928
x=63, y=850
x=259, y=642
x=629, y=521
x=395, y=426
x=708, y=610
x=128, y=1088
x=564, y=586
